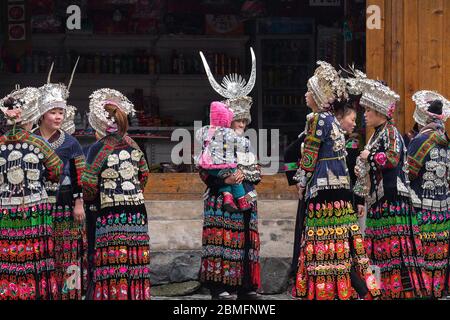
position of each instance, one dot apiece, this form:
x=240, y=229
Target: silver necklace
x=58, y=142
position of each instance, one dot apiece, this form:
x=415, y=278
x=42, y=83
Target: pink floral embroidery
x=391, y=110
x=380, y=158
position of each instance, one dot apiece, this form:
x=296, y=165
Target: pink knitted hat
x=220, y=115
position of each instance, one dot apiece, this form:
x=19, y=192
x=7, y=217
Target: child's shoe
x=228, y=202
x=243, y=204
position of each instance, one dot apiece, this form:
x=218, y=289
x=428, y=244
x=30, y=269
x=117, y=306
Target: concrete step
x=177, y=225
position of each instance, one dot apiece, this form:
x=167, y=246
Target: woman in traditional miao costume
x=429, y=163
x=230, y=265
x=332, y=241
x=115, y=177
x=27, y=266
x=66, y=195
x=392, y=233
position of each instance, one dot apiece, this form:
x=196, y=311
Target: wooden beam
x=375, y=49
x=430, y=44
x=411, y=58
x=397, y=60
x=446, y=54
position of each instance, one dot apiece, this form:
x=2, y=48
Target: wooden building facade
x=411, y=51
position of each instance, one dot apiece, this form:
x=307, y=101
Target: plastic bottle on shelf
x=222, y=64
x=151, y=64
x=270, y=78
x=111, y=63
x=174, y=62
x=290, y=77
x=117, y=64
x=181, y=64
x=158, y=65
x=144, y=64
x=124, y=64
x=97, y=63
x=216, y=63
x=105, y=67
x=137, y=63
x=28, y=62
x=35, y=62
x=130, y=62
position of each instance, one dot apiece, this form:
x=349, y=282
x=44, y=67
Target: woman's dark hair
x=435, y=107
x=9, y=103
x=119, y=116
x=343, y=109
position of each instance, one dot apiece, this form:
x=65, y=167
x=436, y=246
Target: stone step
x=177, y=225
x=193, y=209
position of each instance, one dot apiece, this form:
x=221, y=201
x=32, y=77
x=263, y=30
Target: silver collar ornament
x=422, y=99
x=235, y=89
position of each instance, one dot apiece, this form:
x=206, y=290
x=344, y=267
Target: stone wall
x=175, y=229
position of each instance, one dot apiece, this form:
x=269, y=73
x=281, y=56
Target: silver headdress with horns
x=235, y=89
x=326, y=86
x=422, y=99
x=55, y=95
x=99, y=118
x=68, y=124
x=25, y=99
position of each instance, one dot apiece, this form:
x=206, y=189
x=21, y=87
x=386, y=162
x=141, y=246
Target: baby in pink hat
x=220, y=145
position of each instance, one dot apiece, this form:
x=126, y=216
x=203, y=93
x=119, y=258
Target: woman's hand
x=361, y=210
x=301, y=191
x=78, y=211
x=364, y=154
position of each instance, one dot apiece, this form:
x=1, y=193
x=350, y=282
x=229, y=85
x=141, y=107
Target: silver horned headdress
x=326, y=86
x=55, y=95
x=235, y=89
x=422, y=99
x=25, y=99
x=99, y=118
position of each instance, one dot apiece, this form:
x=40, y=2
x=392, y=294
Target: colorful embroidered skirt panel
x=332, y=243
x=230, y=253
x=27, y=266
x=70, y=254
x=434, y=231
x=122, y=254
x=393, y=245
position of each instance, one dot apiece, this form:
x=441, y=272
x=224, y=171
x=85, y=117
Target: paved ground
x=208, y=297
